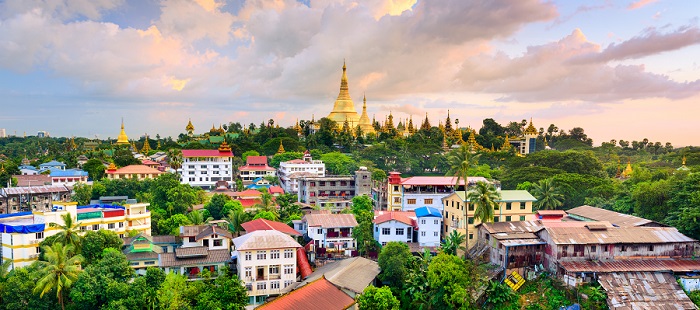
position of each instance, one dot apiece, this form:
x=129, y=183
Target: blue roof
x=53, y=163
x=27, y=167
x=428, y=211
x=68, y=173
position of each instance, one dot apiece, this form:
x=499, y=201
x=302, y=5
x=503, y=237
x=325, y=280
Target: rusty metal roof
x=317, y=295
x=644, y=290
x=671, y=264
x=330, y=220
x=353, y=274
x=513, y=227
x=195, y=251
x=598, y=214
x=34, y=190
x=612, y=235
x=212, y=257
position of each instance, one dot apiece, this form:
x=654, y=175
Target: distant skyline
x=620, y=69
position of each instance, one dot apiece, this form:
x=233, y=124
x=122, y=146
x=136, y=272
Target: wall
x=393, y=225
x=267, y=278
x=430, y=228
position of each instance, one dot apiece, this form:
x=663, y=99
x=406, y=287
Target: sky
x=625, y=69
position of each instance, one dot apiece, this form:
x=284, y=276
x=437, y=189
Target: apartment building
x=335, y=192
x=21, y=233
x=32, y=198
x=291, y=171
x=266, y=262
x=255, y=167
x=203, y=168
x=458, y=213
x=331, y=232
x=407, y=194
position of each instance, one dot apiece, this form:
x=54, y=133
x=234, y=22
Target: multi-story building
x=291, y=171
x=142, y=251
x=203, y=168
x=380, y=191
x=429, y=222
x=458, y=213
x=32, y=198
x=422, y=226
x=255, y=167
x=21, y=233
x=138, y=172
x=331, y=232
x=28, y=170
x=68, y=177
x=335, y=192
x=52, y=165
x=407, y=194
x=266, y=262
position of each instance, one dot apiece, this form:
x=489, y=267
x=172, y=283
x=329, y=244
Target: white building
x=255, y=167
x=28, y=170
x=21, y=233
x=3, y=134
x=331, y=231
x=429, y=221
x=203, y=168
x=290, y=171
x=394, y=226
x=407, y=194
x=68, y=177
x=266, y=263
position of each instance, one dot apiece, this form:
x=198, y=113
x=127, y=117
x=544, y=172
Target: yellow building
x=514, y=205
x=139, y=172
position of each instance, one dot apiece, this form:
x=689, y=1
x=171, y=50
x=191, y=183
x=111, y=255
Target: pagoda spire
x=122, y=139
x=426, y=123
x=280, y=150
x=146, y=147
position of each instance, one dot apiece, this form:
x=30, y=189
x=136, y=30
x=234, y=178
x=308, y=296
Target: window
x=319, y=231
x=288, y=253
x=274, y=254
x=248, y=256
x=261, y=255
x=470, y=220
x=96, y=227
x=471, y=236
x=399, y=231
x=496, y=219
x=396, y=188
x=411, y=201
x=39, y=235
x=383, y=243
x=134, y=263
x=508, y=206
x=594, y=249
x=522, y=217
x=386, y=231
x=428, y=201
x=288, y=269
x=397, y=199
x=651, y=248
x=471, y=207
x=508, y=217
x=422, y=234
x=522, y=206
x=497, y=206
x=262, y=285
x=376, y=228
x=249, y=286
x=275, y=285
x=436, y=222
x=191, y=239
x=274, y=270
x=215, y=166
x=151, y=262
x=111, y=225
x=288, y=282
x=435, y=234
x=248, y=272
x=565, y=248
x=121, y=224
x=218, y=242
x=634, y=248
x=422, y=222
x=164, y=249
x=37, y=250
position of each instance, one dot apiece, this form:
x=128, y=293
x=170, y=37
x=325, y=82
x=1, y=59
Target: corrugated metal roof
x=353, y=274
x=513, y=227
x=598, y=214
x=212, y=256
x=264, y=239
x=263, y=224
x=399, y=216
x=330, y=220
x=35, y=190
x=611, y=235
x=644, y=290
x=427, y=211
x=194, y=251
x=318, y=295
x=671, y=264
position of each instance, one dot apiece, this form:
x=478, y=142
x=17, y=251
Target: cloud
x=640, y=4
x=62, y=9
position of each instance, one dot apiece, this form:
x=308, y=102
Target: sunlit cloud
x=177, y=84
x=640, y=4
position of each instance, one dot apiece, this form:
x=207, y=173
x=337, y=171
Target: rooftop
x=589, y=213
x=264, y=239
x=68, y=173
x=632, y=265
x=330, y=220
x=211, y=256
x=317, y=295
x=135, y=169
x=32, y=180
x=428, y=211
x=353, y=274
x=206, y=153
x=263, y=224
x=439, y=180
x=399, y=216
x=612, y=235
x=33, y=190
x=644, y=290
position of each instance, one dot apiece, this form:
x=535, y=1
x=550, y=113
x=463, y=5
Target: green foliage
x=650, y=199
x=362, y=233
x=82, y=193
x=373, y=298
x=18, y=291
x=59, y=271
x=122, y=157
x=452, y=243
x=338, y=163
x=500, y=296
x=265, y=215
x=450, y=282
x=548, y=195
x=94, y=243
x=245, y=154
x=215, y=206
x=286, y=156
x=484, y=197
x=95, y=169
x=395, y=261
x=171, y=225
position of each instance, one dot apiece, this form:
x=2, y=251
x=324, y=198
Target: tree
x=453, y=242
x=68, y=234
x=82, y=193
x=338, y=163
x=103, y=282
x=395, y=261
x=549, y=197
x=95, y=242
x=362, y=233
x=484, y=198
x=227, y=293
x=460, y=161
x=650, y=199
x=236, y=217
x=373, y=298
x=215, y=206
x=171, y=225
x=449, y=280
x=95, y=169
x=265, y=215
x=59, y=271
x=123, y=157
x=174, y=158
x=18, y=291
x=245, y=154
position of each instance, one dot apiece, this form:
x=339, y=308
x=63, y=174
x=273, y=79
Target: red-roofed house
x=203, y=168
x=394, y=226
x=139, y=172
x=248, y=197
x=263, y=224
x=317, y=295
x=255, y=167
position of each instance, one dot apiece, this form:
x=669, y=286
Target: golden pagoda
x=531, y=130
x=189, y=128
x=365, y=124
x=111, y=167
x=411, y=129
x=448, y=124
x=146, y=147
x=122, y=139
x=344, y=108
x=506, y=144
x=224, y=147
x=281, y=149
x=158, y=145
x=628, y=170
x=426, y=123
x=390, y=122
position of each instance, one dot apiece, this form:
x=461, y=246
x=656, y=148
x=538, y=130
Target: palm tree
x=174, y=158
x=59, y=271
x=484, y=198
x=197, y=218
x=5, y=269
x=548, y=195
x=236, y=218
x=460, y=162
x=453, y=242
x=68, y=234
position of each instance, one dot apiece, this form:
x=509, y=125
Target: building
x=32, y=198
x=335, y=192
x=513, y=246
x=3, y=133
x=458, y=213
x=331, y=232
x=644, y=290
x=527, y=143
x=593, y=214
x=32, y=180
x=394, y=226
x=52, y=165
x=291, y=171
x=42, y=134
x=380, y=191
x=263, y=224
x=406, y=194
x=21, y=233
x=142, y=250
x=68, y=177
x=255, y=167
x=204, y=247
x=266, y=262
x=203, y=168
x=429, y=221
x=320, y=294
x=28, y=170
x=351, y=275
x=138, y=172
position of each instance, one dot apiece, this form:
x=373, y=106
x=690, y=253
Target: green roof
x=216, y=139
x=507, y=195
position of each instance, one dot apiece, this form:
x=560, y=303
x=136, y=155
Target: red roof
x=275, y=190
x=206, y=153
x=263, y=224
x=256, y=160
x=247, y=193
x=247, y=203
x=399, y=216
x=438, y=180
x=148, y=162
x=631, y=265
x=256, y=168
x=303, y=263
x=317, y=295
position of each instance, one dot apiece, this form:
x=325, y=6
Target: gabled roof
x=210, y=230
x=264, y=239
x=598, y=214
x=256, y=160
x=427, y=212
x=644, y=290
x=263, y=224
x=135, y=169
x=353, y=274
x=52, y=163
x=317, y=295
x=399, y=216
x=211, y=256
x=275, y=190
x=68, y=173
x=613, y=235
x=248, y=193
x=32, y=180
x=206, y=153
x=330, y=220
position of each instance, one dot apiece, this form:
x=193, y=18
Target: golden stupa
x=344, y=108
x=365, y=124
x=123, y=139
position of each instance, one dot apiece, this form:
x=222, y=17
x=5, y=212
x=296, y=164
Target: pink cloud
x=640, y=4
